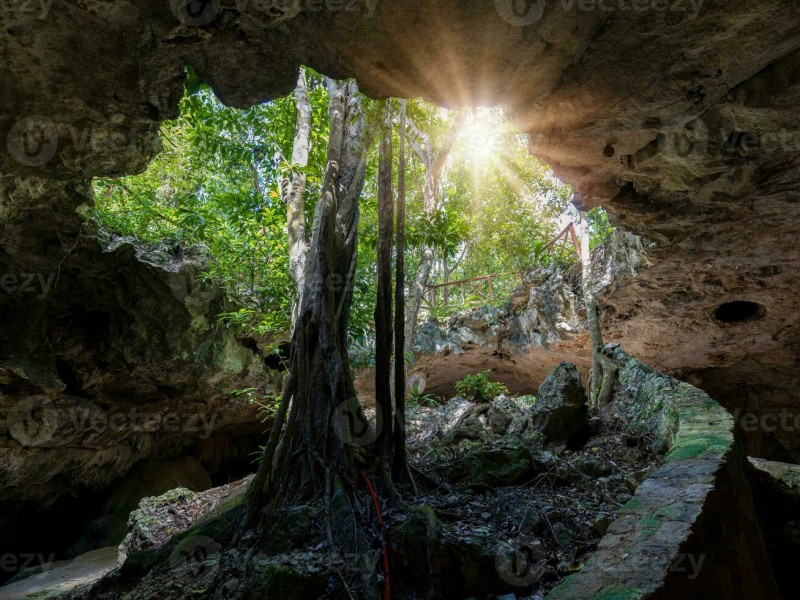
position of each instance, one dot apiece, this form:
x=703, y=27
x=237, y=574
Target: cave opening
x=738, y=311
x=574, y=82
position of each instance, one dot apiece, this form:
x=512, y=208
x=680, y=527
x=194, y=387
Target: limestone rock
x=635, y=479
x=492, y=466
x=501, y=414
x=158, y=518
x=97, y=377
x=560, y=411
x=509, y=417
x=541, y=323
x=504, y=417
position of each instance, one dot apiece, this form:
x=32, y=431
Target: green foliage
x=479, y=387
x=499, y=209
x=267, y=403
x=423, y=400
x=216, y=184
x=599, y=226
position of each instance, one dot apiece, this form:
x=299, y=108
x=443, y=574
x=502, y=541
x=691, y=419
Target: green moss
x=176, y=496
x=650, y=522
x=695, y=445
x=670, y=513
x=632, y=505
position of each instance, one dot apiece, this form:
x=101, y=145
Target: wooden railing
x=483, y=288
x=568, y=235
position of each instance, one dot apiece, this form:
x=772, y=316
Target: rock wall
x=110, y=354
x=680, y=118
x=541, y=325
x=690, y=530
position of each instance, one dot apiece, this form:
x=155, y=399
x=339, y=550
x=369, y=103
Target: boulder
x=492, y=466
x=561, y=411
x=501, y=414
x=503, y=417
x=158, y=518
x=464, y=420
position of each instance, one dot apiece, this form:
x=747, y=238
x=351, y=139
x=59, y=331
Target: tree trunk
x=293, y=191
x=314, y=454
x=446, y=278
x=416, y=294
x=434, y=164
x=383, y=307
x=603, y=375
x=400, y=472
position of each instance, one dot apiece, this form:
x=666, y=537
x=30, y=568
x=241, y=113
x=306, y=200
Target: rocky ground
x=551, y=506
x=514, y=495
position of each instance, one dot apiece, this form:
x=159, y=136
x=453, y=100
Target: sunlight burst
x=480, y=136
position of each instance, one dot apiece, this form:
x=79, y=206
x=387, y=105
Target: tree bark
x=434, y=164
x=446, y=278
x=383, y=307
x=293, y=190
x=314, y=455
x=400, y=471
x=416, y=294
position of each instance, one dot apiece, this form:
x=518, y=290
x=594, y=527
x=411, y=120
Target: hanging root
x=255, y=494
x=384, y=543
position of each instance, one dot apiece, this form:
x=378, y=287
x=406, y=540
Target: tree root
x=607, y=381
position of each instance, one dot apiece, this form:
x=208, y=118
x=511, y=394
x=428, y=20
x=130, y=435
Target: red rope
x=371, y=489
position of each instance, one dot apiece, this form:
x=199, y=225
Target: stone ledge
x=690, y=528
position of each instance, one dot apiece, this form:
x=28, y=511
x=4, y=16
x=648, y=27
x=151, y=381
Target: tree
x=604, y=371
x=314, y=454
x=434, y=164
x=293, y=190
x=383, y=305
x=400, y=471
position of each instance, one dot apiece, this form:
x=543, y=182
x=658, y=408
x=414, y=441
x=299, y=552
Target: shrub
x=426, y=400
x=479, y=387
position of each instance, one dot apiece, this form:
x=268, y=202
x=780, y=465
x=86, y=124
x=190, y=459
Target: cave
x=683, y=124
